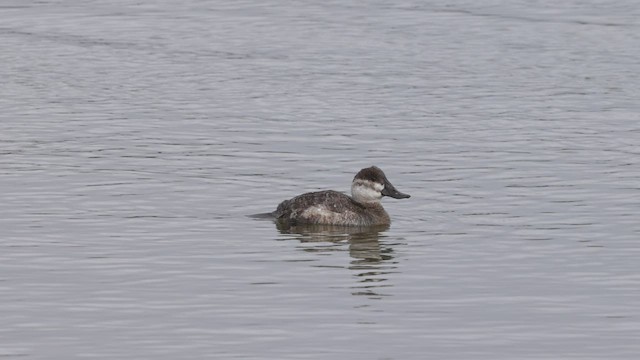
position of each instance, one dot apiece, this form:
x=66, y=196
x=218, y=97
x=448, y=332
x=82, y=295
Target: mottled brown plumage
x=331, y=207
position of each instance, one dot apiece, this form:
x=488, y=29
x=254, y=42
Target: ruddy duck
x=330, y=207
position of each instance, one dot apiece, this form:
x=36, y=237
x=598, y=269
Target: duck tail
x=269, y=215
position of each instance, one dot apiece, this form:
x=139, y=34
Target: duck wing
x=302, y=207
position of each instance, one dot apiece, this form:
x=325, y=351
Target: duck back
x=330, y=207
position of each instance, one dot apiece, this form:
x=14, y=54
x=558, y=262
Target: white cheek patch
x=366, y=191
x=378, y=187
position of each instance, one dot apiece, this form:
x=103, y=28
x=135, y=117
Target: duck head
x=370, y=185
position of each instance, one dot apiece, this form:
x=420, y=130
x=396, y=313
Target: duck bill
x=390, y=190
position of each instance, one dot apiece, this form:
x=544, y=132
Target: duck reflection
x=371, y=260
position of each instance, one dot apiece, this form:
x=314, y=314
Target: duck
x=329, y=207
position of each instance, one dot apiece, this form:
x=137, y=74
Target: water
x=136, y=137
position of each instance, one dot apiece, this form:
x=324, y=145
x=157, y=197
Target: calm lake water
x=136, y=137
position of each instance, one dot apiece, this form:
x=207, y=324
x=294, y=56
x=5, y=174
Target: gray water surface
x=136, y=137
